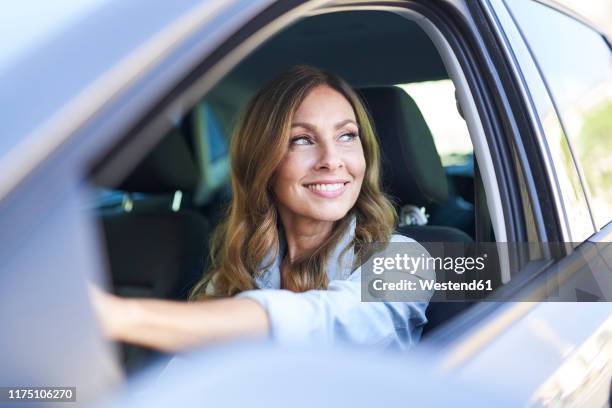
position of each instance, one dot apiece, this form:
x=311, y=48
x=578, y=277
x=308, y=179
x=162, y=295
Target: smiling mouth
x=327, y=190
x=327, y=186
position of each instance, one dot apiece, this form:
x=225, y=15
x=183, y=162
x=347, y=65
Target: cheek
x=289, y=173
x=357, y=165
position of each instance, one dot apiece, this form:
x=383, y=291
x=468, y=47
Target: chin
x=329, y=214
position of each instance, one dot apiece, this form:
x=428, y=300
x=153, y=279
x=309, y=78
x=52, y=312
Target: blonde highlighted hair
x=251, y=227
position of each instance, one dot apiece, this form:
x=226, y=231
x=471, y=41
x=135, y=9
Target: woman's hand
x=111, y=311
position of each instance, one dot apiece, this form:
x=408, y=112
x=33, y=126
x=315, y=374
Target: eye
x=347, y=137
x=300, y=140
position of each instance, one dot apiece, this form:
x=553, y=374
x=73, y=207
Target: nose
x=329, y=158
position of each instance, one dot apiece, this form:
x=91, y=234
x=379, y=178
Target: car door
x=553, y=349
x=567, y=100
x=61, y=98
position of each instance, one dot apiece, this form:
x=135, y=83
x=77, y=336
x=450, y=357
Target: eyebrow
x=313, y=128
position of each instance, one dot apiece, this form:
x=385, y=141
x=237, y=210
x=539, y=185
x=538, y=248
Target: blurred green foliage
x=595, y=151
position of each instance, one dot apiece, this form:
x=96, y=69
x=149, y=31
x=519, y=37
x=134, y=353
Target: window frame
x=556, y=8
x=532, y=81
x=492, y=106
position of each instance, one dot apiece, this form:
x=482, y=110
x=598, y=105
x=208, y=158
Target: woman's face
x=320, y=177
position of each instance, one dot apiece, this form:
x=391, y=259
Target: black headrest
x=170, y=166
x=412, y=170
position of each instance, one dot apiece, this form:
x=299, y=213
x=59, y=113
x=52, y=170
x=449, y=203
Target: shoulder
x=400, y=238
x=412, y=247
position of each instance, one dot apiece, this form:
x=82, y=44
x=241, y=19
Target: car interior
x=158, y=220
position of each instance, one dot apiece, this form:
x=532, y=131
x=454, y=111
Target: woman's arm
x=173, y=326
x=335, y=314
x=338, y=313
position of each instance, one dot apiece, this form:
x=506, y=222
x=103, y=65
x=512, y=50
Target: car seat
x=413, y=175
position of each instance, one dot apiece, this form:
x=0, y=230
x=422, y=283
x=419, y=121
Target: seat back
x=158, y=244
x=413, y=174
x=155, y=245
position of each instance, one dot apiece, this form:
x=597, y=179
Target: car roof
x=68, y=52
x=55, y=58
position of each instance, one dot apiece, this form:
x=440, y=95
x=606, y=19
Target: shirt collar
x=339, y=266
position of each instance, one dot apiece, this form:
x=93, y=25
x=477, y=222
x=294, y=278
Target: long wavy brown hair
x=251, y=228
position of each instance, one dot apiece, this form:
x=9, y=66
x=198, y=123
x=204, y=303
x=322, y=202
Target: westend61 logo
x=411, y=264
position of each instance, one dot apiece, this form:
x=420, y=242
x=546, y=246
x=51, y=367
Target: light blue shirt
x=337, y=314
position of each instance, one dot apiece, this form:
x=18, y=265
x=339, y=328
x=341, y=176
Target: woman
x=306, y=204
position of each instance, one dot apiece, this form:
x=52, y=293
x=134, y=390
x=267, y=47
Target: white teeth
x=326, y=187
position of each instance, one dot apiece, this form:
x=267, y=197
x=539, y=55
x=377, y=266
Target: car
x=494, y=119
